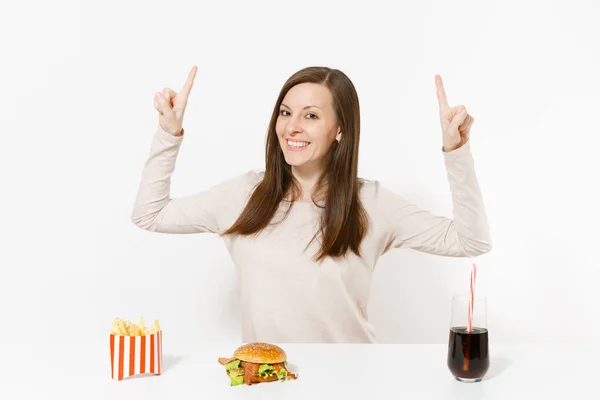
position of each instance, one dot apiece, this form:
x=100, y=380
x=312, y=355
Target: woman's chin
x=294, y=163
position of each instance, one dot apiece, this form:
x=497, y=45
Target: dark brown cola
x=468, y=353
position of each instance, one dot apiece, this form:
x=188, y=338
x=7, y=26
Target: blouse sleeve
x=466, y=235
x=205, y=211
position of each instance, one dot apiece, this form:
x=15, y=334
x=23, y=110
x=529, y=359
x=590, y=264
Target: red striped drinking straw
x=472, y=297
x=470, y=317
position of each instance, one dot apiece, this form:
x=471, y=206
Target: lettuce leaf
x=235, y=364
x=238, y=380
x=282, y=374
x=236, y=375
x=266, y=370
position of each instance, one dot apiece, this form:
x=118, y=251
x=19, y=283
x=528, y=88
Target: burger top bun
x=260, y=353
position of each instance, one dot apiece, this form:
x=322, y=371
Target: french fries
x=128, y=328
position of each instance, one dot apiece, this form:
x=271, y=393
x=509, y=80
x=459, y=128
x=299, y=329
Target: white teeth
x=298, y=144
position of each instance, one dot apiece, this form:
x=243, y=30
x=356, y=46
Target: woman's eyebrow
x=304, y=107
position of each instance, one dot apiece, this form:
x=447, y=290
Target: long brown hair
x=344, y=221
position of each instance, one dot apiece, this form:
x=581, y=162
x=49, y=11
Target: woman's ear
x=339, y=135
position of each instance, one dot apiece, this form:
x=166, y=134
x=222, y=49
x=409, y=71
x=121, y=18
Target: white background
x=77, y=120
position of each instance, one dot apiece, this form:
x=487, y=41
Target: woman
x=305, y=234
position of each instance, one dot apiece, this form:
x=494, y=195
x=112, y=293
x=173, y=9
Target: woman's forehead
x=308, y=94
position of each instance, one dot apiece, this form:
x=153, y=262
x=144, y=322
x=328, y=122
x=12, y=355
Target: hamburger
x=257, y=362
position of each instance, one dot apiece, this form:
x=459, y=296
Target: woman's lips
x=291, y=148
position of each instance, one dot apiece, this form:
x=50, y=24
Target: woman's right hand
x=171, y=106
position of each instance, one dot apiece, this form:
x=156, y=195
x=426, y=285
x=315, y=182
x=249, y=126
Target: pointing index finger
x=187, y=87
x=441, y=94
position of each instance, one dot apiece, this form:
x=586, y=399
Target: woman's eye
x=281, y=112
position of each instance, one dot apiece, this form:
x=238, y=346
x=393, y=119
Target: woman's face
x=307, y=125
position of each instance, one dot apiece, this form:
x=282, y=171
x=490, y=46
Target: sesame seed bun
x=260, y=353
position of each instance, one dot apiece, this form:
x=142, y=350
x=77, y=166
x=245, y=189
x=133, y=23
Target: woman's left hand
x=456, y=122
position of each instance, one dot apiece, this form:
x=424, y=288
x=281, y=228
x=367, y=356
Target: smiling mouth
x=297, y=144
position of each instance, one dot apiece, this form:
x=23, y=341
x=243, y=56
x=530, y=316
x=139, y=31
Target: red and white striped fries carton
x=133, y=355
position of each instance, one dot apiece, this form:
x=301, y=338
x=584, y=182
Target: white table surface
x=82, y=370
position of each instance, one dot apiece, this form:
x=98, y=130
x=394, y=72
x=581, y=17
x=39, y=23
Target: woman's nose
x=293, y=126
